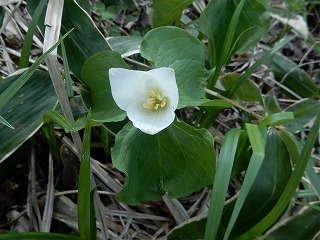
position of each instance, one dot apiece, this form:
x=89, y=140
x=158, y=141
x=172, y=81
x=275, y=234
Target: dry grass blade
x=176, y=209
x=48, y=208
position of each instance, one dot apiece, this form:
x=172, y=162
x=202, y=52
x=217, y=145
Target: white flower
x=149, y=98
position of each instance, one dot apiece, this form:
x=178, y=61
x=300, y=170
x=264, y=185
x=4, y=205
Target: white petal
x=166, y=80
x=127, y=86
x=149, y=121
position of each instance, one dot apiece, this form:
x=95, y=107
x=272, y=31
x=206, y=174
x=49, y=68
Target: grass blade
x=5, y=122
x=221, y=182
x=25, y=52
x=37, y=236
x=14, y=87
x=85, y=217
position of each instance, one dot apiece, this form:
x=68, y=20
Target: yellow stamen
x=155, y=101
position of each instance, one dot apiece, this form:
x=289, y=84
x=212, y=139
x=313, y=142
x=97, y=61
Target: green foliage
x=86, y=214
x=95, y=76
x=215, y=20
x=179, y=160
x=263, y=153
x=167, y=12
x=24, y=111
x=175, y=48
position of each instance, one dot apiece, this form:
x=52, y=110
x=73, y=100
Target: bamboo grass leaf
x=221, y=182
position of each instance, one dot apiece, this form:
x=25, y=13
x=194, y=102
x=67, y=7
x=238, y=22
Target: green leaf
x=271, y=104
x=304, y=111
x=277, y=119
x=217, y=103
x=167, y=12
x=25, y=109
x=176, y=48
x=84, y=41
x=267, y=188
x=193, y=228
x=125, y=45
x=258, y=145
x=290, y=188
x=32, y=27
x=253, y=23
x=85, y=217
x=11, y=90
x=179, y=160
x=303, y=225
x=95, y=76
x=294, y=78
x=37, y=236
x=221, y=182
x=247, y=91
x=57, y=117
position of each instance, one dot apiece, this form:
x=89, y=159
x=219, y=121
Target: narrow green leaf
x=7, y=94
x=258, y=144
x=266, y=55
x=221, y=182
x=293, y=77
x=288, y=192
x=67, y=76
x=27, y=43
x=277, y=119
x=84, y=198
x=61, y=120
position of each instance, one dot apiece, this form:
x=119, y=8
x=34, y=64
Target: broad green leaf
x=178, y=161
x=293, y=77
x=221, y=182
x=247, y=91
x=290, y=188
x=167, y=12
x=25, y=109
x=85, y=213
x=267, y=187
x=253, y=23
x=303, y=225
x=176, y=48
x=95, y=76
x=37, y=236
x=125, y=45
x=277, y=119
x=304, y=111
x=84, y=41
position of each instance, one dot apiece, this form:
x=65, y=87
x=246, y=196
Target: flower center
x=155, y=101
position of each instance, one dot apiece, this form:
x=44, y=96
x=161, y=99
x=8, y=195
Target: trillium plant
x=184, y=104
x=149, y=98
